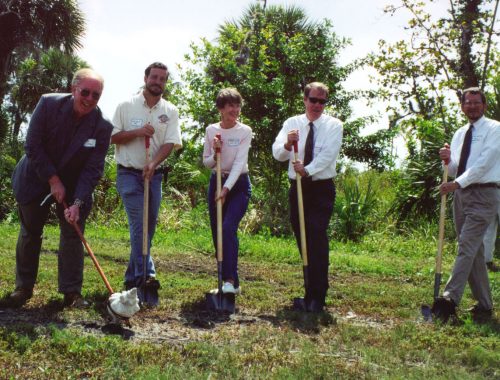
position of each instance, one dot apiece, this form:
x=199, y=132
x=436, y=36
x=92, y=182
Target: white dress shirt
x=483, y=162
x=327, y=142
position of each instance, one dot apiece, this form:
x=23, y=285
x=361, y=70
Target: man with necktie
x=319, y=138
x=473, y=159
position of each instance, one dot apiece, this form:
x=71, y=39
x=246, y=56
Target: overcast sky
x=125, y=36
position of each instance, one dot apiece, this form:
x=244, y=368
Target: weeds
x=372, y=328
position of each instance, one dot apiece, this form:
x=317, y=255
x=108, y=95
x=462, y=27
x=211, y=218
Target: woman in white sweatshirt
x=236, y=189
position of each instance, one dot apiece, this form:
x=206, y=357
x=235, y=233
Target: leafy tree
x=420, y=78
x=30, y=26
x=52, y=72
x=269, y=55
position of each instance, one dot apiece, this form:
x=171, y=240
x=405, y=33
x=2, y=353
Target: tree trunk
x=468, y=19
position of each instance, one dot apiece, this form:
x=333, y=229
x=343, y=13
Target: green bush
x=354, y=206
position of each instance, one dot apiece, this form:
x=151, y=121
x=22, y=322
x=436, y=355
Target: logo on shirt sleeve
x=163, y=118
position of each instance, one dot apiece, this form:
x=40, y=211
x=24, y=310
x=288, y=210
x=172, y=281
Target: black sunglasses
x=85, y=92
x=318, y=100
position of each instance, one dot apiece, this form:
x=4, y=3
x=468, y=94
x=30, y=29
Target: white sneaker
x=229, y=288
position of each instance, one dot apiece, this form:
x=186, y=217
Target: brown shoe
x=20, y=296
x=480, y=314
x=492, y=267
x=74, y=300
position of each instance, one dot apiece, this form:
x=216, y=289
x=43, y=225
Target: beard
x=154, y=90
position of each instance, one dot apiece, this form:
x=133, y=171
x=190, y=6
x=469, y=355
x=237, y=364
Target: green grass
x=372, y=329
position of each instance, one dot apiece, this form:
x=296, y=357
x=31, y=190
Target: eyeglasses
x=85, y=92
x=469, y=103
x=318, y=100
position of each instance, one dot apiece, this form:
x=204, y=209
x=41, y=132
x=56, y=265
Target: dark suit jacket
x=79, y=163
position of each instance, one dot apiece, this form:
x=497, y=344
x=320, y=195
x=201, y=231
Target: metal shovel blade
x=426, y=313
x=221, y=302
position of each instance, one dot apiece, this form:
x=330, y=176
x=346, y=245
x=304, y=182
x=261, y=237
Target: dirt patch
x=191, y=323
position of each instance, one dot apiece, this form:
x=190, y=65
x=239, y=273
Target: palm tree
x=31, y=26
x=52, y=72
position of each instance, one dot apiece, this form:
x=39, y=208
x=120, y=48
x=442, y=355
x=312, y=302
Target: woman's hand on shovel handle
x=72, y=214
x=223, y=195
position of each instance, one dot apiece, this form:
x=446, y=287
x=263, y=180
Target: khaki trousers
x=473, y=210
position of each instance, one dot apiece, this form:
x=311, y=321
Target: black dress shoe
x=316, y=306
x=299, y=304
x=443, y=308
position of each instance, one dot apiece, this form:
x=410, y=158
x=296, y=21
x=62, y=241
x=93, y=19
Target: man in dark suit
x=66, y=145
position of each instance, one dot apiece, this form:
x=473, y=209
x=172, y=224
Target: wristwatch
x=307, y=173
x=78, y=202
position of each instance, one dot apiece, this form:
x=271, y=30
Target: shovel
x=147, y=294
x=299, y=303
x=426, y=309
x=219, y=301
x=120, y=306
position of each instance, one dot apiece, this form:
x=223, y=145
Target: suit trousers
x=70, y=255
x=490, y=238
x=473, y=210
x=318, y=199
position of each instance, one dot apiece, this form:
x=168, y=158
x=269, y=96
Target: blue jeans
x=233, y=210
x=130, y=185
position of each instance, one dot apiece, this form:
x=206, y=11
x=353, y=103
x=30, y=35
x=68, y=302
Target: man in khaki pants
x=474, y=162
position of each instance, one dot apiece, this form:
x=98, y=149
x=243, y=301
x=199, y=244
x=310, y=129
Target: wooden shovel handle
x=442, y=215
x=219, y=201
x=145, y=206
x=302, y=224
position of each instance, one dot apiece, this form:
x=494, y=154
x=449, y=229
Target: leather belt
x=138, y=171
x=481, y=185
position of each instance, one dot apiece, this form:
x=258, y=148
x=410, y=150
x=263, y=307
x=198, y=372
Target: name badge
x=477, y=138
x=90, y=143
x=136, y=123
x=233, y=142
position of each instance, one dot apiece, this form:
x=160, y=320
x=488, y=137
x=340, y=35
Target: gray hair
x=86, y=73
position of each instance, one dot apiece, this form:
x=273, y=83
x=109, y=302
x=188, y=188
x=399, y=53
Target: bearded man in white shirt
x=316, y=165
x=146, y=116
x=473, y=160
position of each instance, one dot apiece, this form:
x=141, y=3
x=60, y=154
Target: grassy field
x=372, y=328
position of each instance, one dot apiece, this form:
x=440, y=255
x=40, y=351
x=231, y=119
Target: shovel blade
x=221, y=302
x=426, y=313
x=148, y=296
